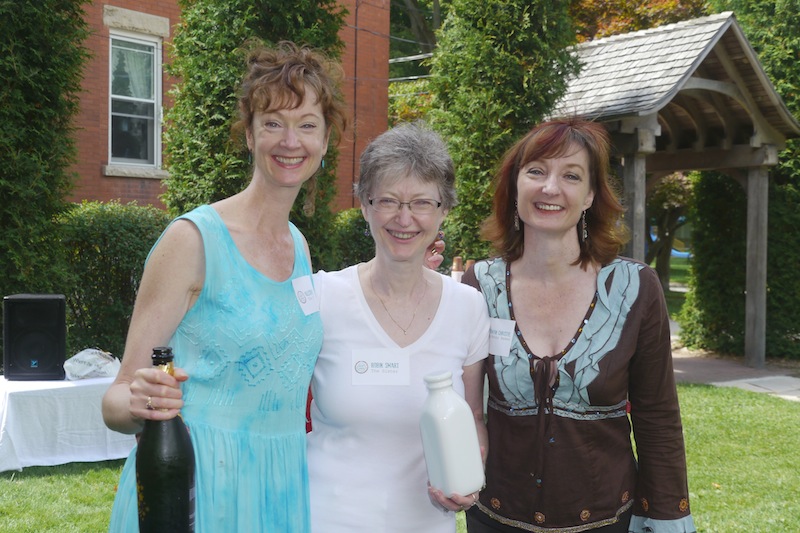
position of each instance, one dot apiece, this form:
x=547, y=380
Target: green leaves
x=205, y=163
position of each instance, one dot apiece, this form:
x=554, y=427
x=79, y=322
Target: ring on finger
x=474, y=498
x=149, y=404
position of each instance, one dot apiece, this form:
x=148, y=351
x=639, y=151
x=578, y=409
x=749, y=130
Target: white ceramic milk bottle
x=450, y=439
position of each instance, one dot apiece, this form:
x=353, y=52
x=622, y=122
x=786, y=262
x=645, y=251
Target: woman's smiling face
x=403, y=234
x=288, y=144
x=552, y=193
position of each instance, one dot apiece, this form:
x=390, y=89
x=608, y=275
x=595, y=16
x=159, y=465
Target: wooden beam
x=739, y=156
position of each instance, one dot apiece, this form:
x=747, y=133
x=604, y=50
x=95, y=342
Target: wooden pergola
x=689, y=96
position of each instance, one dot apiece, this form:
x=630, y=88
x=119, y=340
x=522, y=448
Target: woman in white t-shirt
x=387, y=323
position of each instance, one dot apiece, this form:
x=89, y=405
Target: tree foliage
x=713, y=315
x=209, y=46
x=42, y=55
x=601, y=18
x=409, y=101
x=667, y=207
x=499, y=68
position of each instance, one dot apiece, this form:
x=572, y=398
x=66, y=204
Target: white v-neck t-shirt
x=366, y=466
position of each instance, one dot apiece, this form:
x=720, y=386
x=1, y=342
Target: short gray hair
x=407, y=149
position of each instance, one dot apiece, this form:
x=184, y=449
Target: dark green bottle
x=165, y=469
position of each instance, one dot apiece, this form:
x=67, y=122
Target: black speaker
x=34, y=336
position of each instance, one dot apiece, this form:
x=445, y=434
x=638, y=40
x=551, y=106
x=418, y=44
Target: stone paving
x=701, y=367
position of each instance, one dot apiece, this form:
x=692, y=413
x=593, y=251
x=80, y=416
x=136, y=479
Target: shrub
x=106, y=245
x=713, y=314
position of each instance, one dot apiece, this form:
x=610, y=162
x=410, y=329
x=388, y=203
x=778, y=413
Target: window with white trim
x=135, y=87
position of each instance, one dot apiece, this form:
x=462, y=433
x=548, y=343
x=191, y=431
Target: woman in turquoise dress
x=228, y=286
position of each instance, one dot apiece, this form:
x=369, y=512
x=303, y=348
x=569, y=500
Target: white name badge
x=380, y=367
x=501, y=333
x=306, y=297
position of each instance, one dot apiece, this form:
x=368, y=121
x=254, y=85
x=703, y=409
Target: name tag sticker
x=306, y=297
x=380, y=367
x=501, y=332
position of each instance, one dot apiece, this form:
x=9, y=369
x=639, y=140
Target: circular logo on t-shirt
x=301, y=297
x=361, y=367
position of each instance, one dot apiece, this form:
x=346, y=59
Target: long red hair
x=607, y=233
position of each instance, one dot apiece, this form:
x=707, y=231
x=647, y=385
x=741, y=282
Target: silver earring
x=584, y=231
x=516, y=217
x=366, y=231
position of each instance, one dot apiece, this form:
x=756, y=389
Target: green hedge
x=106, y=245
x=713, y=315
x=41, y=58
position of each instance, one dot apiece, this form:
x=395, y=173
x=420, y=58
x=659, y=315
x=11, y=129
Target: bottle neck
x=167, y=367
x=440, y=386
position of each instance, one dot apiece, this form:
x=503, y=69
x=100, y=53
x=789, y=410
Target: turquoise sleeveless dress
x=249, y=350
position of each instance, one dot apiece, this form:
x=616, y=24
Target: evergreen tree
x=209, y=47
x=41, y=60
x=499, y=68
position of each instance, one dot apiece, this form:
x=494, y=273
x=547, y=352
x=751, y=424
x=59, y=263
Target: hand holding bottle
x=455, y=502
x=155, y=394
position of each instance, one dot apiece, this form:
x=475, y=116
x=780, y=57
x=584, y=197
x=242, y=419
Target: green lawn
x=742, y=451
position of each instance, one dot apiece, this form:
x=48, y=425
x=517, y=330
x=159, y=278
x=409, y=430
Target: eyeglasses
x=420, y=206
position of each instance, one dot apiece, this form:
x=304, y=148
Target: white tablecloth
x=45, y=423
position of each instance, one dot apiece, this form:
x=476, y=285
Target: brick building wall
x=366, y=35
x=365, y=61
x=95, y=180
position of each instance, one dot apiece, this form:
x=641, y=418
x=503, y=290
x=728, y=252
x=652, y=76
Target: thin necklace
x=413, y=315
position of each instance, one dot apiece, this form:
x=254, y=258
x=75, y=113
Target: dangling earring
x=323, y=164
x=366, y=230
x=584, y=231
x=516, y=217
x=249, y=157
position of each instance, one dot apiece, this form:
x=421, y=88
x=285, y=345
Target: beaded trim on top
x=524, y=344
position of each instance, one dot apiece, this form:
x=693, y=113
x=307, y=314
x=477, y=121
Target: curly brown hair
x=277, y=78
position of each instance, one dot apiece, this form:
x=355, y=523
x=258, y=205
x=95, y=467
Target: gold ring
x=474, y=498
x=149, y=404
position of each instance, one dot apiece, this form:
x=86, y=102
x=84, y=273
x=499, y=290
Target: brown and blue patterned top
x=560, y=452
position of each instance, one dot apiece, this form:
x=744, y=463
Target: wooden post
x=634, y=183
x=756, y=283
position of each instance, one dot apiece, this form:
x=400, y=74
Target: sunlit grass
x=742, y=450
x=72, y=498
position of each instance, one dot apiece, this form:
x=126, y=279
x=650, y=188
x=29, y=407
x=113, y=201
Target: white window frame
x=156, y=43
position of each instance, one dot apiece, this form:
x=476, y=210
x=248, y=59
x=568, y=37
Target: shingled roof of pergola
x=688, y=96
x=700, y=79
